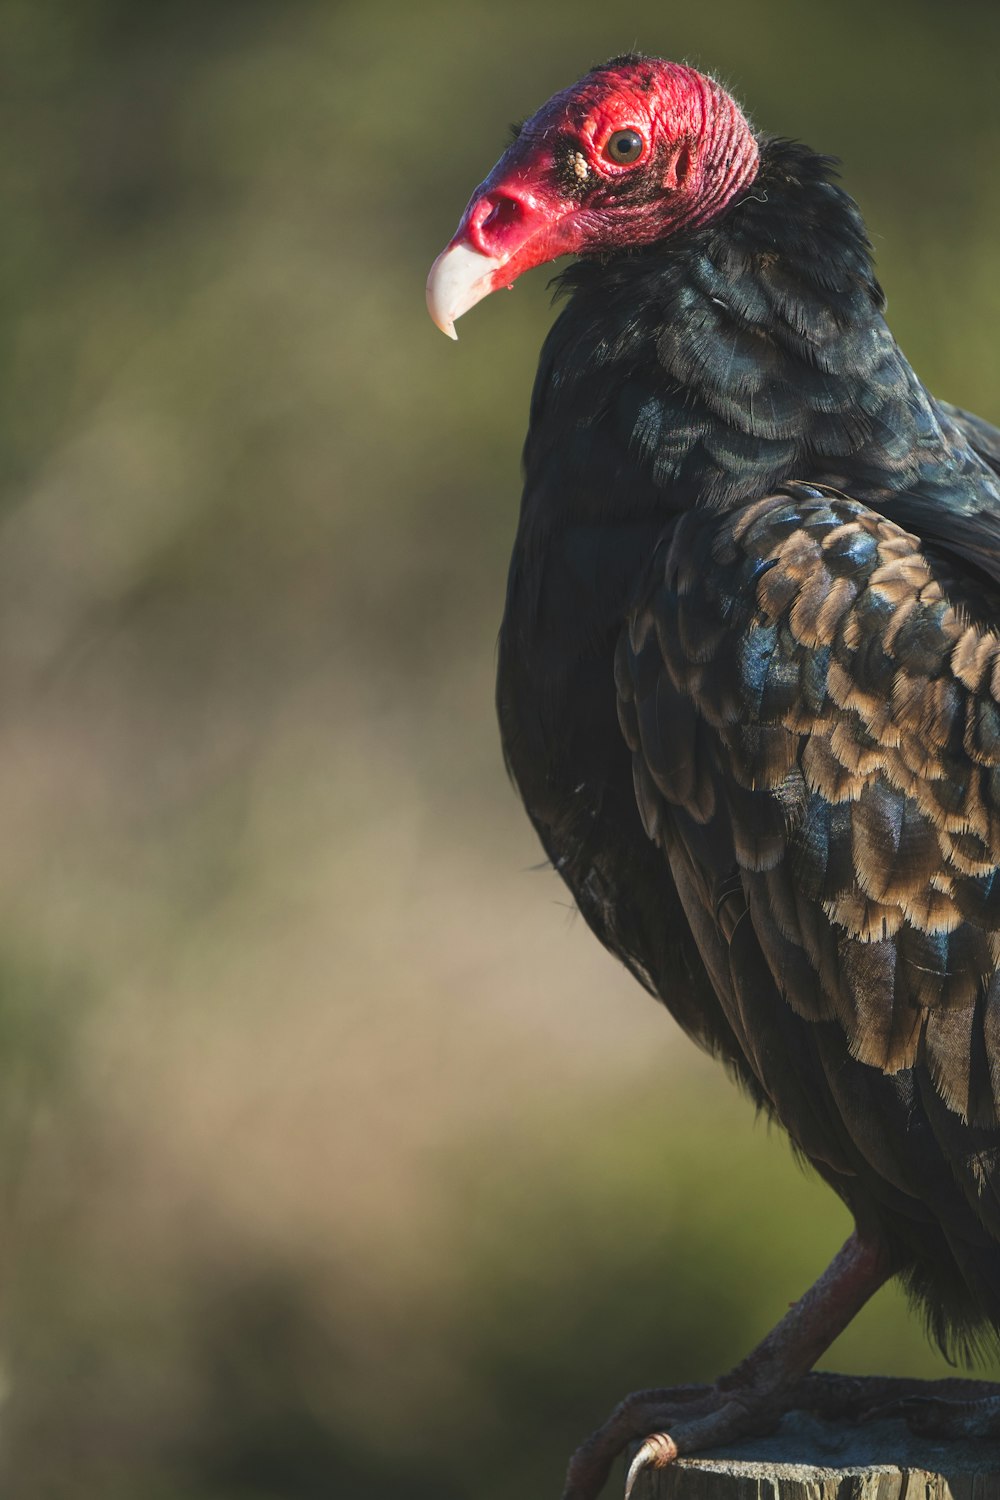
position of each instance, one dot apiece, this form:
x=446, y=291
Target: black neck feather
x=716, y=365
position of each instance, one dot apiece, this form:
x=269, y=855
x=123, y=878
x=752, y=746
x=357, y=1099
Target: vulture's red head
x=636, y=150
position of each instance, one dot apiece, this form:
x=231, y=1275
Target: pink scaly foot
x=750, y=1399
x=938, y=1416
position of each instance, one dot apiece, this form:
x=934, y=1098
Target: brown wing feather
x=808, y=709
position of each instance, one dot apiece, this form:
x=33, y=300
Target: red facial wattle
x=557, y=190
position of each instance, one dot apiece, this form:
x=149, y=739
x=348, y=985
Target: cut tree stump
x=810, y=1458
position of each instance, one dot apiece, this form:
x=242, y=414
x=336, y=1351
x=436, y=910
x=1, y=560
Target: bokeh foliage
x=335, y=1158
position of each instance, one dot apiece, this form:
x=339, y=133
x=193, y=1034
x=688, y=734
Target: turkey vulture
x=749, y=681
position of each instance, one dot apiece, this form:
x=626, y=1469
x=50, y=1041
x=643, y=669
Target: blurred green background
x=335, y=1156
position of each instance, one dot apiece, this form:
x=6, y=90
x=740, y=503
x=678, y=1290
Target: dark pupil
x=625, y=145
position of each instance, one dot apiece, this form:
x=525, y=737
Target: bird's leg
x=751, y=1397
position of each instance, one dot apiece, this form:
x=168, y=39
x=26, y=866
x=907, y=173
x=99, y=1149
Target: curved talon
x=698, y=1417
x=658, y=1450
x=641, y=1413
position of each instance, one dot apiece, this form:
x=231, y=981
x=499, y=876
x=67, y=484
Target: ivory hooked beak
x=459, y=278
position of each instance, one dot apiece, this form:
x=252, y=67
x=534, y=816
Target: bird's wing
x=815, y=728
x=982, y=437
x=963, y=523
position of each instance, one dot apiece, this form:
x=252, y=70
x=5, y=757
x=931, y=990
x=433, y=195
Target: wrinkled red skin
x=698, y=152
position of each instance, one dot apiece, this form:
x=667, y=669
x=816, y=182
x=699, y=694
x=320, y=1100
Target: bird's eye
x=624, y=146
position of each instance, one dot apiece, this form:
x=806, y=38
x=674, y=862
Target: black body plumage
x=749, y=691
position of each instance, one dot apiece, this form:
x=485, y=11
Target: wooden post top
x=808, y=1458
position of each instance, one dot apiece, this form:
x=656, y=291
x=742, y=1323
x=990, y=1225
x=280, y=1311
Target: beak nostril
x=493, y=216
